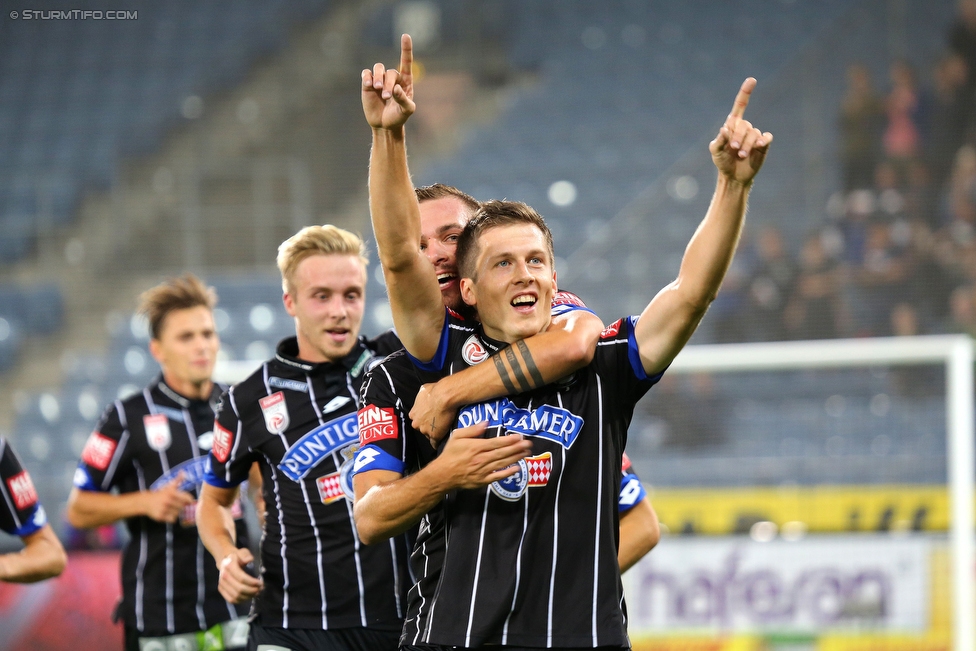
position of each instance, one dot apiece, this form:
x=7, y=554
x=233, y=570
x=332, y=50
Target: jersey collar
x=287, y=354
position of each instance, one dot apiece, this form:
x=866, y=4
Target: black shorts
x=421, y=647
x=261, y=638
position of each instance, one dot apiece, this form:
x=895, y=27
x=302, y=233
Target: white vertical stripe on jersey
x=555, y=539
x=191, y=434
x=477, y=569
x=285, y=600
x=143, y=554
x=518, y=555
x=352, y=520
x=599, y=507
x=423, y=599
x=396, y=578
x=240, y=427
x=311, y=516
x=119, y=449
x=164, y=461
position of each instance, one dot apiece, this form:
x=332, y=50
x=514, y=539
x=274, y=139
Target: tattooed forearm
x=530, y=364
x=503, y=373
x=517, y=369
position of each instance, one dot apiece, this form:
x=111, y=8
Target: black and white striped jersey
x=21, y=514
x=530, y=561
x=298, y=420
x=169, y=580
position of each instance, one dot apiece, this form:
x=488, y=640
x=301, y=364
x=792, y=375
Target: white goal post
x=956, y=353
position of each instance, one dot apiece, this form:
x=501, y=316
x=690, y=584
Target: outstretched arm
x=388, y=503
x=415, y=298
x=41, y=558
x=565, y=347
x=670, y=319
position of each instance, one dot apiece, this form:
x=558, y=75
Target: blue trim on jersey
x=631, y=492
x=83, y=480
x=440, y=357
x=633, y=354
x=373, y=457
x=34, y=523
x=209, y=477
x=568, y=307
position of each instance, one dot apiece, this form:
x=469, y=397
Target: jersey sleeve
x=21, y=513
x=632, y=491
x=102, y=457
x=382, y=424
x=230, y=458
x=618, y=359
x=563, y=302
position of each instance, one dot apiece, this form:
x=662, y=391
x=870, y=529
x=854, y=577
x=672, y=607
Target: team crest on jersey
x=157, y=431
x=192, y=470
x=223, y=441
x=337, y=485
x=474, y=351
x=275, y=411
x=98, y=451
x=545, y=421
x=532, y=473
x=22, y=490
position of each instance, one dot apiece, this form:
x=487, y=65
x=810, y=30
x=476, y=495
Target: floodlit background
x=140, y=141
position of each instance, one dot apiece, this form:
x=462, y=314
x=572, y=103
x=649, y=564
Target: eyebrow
x=449, y=227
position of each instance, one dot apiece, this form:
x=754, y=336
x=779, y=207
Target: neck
x=189, y=389
x=309, y=353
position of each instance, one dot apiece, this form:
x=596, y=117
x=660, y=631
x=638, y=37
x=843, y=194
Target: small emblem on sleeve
x=22, y=490
x=364, y=458
x=275, y=411
x=567, y=298
x=376, y=424
x=98, y=451
x=611, y=330
x=223, y=441
x=157, y=432
x=473, y=351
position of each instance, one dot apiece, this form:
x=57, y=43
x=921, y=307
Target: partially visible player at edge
x=22, y=515
x=152, y=448
x=505, y=258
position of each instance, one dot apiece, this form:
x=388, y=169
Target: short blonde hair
x=317, y=240
x=174, y=294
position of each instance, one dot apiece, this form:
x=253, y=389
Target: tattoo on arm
x=517, y=369
x=503, y=373
x=530, y=364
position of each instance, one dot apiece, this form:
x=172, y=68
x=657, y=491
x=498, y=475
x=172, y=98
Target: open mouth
x=443, y=279
x=338, y=334
x=524, y=302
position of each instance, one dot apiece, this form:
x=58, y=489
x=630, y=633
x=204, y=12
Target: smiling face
x=326, y=296
x=441, y=222
x=512, y=281
x=186, y=347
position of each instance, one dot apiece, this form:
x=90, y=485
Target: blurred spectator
x=961, y=195
x=881, y=281
x=861, y=119
x=962, y=306
x=815, y=310
x=962, y=38
x=770, y=287
x=686, y=413
x=931, y=277
x=951, y=108
x=902, y=139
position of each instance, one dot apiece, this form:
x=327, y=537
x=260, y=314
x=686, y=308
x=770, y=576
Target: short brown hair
x=441, y=191
x=317, y=240
x=493, y=214
x=174, y=294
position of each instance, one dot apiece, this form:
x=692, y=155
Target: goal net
x=813, y=495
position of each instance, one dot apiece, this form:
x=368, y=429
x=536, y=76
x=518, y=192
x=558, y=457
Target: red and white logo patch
x=624, y=463
x=611, y=330
x=275, y=411
x=98, y=451
x=223, y=441
x=567, y=298
x=330, y=488
x=157, y=432
x=539, y=468
x=376, y=424
x=474, y=351
x=22, y=490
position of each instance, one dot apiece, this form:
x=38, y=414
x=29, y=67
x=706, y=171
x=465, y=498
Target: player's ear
x=289, y=302
x=156, y=349
x=555, y=288
x=467, y=292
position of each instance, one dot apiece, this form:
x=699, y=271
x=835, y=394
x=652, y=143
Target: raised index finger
x=406, y=56
x=742, y=98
